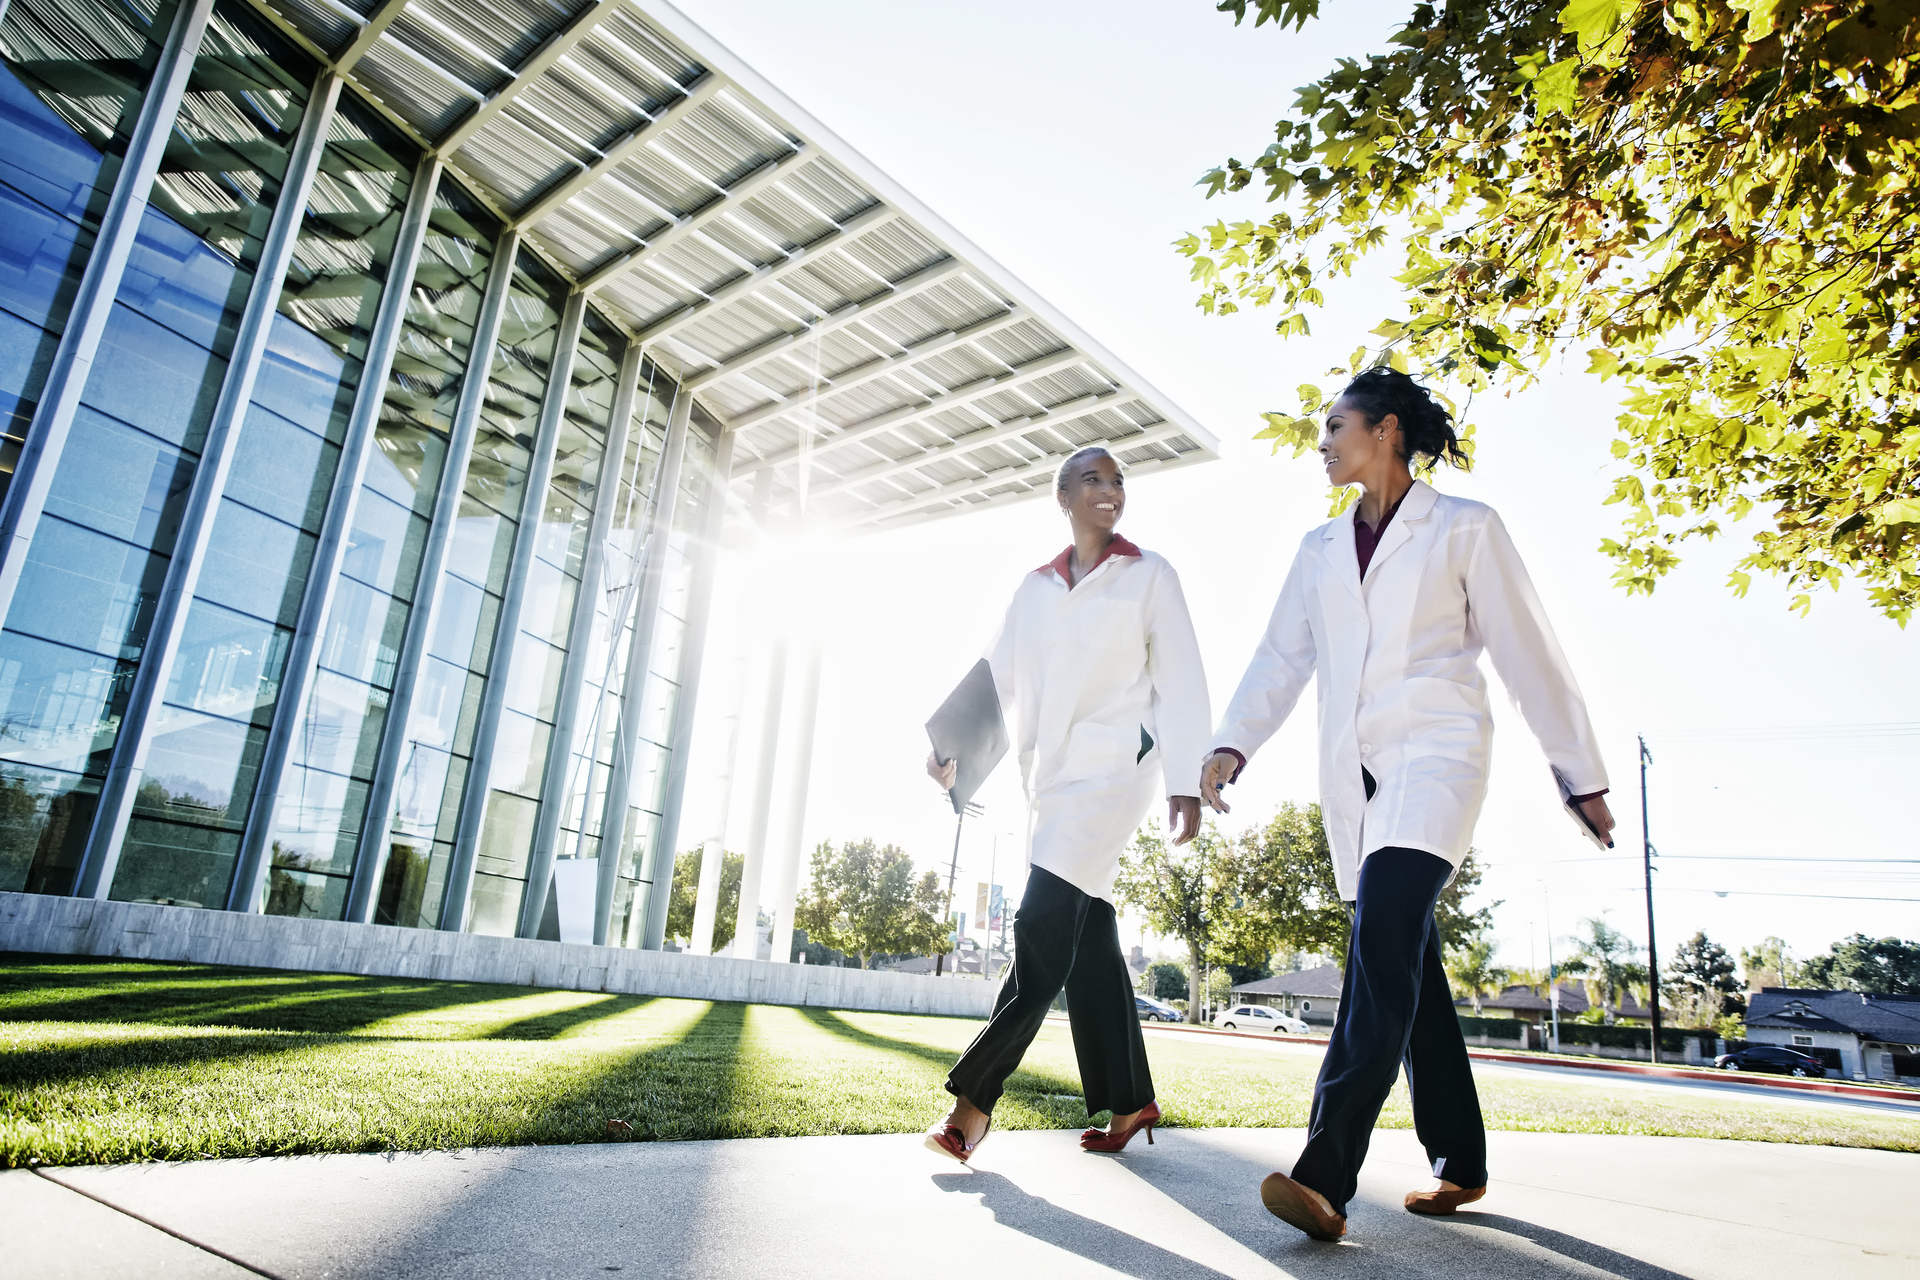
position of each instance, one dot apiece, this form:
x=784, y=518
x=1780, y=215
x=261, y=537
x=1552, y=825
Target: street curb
x=1706, y=1075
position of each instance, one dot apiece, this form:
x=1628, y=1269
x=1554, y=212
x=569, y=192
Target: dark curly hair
x=1426, y=428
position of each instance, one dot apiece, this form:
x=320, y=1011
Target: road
x=1726, y=1087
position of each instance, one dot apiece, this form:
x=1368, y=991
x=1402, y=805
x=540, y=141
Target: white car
x=1259, y=1018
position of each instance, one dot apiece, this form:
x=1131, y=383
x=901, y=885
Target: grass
x=106, y=1061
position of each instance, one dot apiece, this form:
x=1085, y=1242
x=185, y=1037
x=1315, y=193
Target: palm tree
x=1472, y=969
x=1608, y=955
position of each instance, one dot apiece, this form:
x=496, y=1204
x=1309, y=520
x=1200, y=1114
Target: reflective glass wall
x=358, y=815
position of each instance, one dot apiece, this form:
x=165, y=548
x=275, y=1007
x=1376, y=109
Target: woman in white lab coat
x=1388, y=611
x=1099, y=675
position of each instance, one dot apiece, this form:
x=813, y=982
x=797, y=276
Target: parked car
x=1257, y=1017
x=1151, y=1010
x=1771, y=1057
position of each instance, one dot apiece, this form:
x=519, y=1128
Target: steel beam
x=633, y=259
x=362, y=44
x=633, y=695
x=868, y=428
x=370, y=858
x=1052, y=418
x=573, y=677
x=852, y=229
x=506, y=633
x=620, y=148
x=693, y=650
x=73, y=357
x=906, y=287
x=129, y=760
x=343, y=502
x=861, y=374
x=526, y=73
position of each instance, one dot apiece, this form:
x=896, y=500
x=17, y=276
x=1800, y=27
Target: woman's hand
x=1183, y=817
x=942, y=773
x=1217, y=772
x=1599, y=815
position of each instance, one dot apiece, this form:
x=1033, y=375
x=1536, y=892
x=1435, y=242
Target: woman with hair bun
x=1099, y=676
x=1388, y=610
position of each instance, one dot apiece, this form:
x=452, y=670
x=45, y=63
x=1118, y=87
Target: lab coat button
x=1366, y=748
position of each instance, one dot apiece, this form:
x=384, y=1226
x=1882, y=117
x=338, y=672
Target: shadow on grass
x=1025, y=1085
x=207, y=995
x=550, y=1026
x=683, y=1089
x=23, y=1069
x=1093, y=1240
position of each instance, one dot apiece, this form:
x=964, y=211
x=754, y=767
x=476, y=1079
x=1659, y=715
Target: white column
x=787, y=878
x=713, y=852
x=747, y=923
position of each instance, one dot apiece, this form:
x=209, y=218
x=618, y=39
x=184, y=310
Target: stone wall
x=32, y=922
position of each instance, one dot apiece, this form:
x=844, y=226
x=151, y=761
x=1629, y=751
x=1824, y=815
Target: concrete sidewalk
x=1033, y=1204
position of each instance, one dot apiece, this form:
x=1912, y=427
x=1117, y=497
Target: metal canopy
x=876, y=368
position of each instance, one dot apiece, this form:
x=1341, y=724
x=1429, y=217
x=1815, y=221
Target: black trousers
x=1395, y=1007
x=1063, y=939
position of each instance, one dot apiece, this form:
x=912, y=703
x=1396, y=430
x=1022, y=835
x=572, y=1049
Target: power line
x=1763, y=893
x=1707, y=857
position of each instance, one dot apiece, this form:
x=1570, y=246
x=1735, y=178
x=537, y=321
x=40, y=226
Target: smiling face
x=1351, y=447
x=1095, y=494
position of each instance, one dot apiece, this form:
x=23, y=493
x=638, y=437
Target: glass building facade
x=348, y=545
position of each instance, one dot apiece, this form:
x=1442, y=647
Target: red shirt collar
x=1118, y=547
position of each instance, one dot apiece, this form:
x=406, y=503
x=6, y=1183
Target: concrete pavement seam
x=162, y=1227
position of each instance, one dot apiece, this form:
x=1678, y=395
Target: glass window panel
x=437, y=700
x=182, y=289
x=406, y=467
x=384, y=548
x=282, y=470
x=507, y=835
x=341, y=731
x=256, y=564
x=60, y=708
x=318, y=821
x=641, y=825
x=45, y=817
x=199, y=769
x=534, y=683
x=229, y=664
x=495, y=907
x=305, y=895
x=423, y=780
x=437, y=339
x=152, y=378
x=520, y=754
x=301, y=379
x=482, y=545
x=469, y=714
x=456, y=621
x=122, y=482
x=547, y=610
x=411, y=884
x=561, y=539
x=448, y=824
x=86, y=590
x=175, y=863
x=364, y=633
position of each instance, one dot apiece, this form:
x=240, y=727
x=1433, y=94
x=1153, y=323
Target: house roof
x=874, y=364
x=1887, y=1019
x=1524, y=999
x=1321, y=983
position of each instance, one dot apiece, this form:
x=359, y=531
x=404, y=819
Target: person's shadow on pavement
x=1048, y=1222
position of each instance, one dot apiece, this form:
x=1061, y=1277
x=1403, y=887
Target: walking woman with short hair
x=1389, y=610
x=1099, y=677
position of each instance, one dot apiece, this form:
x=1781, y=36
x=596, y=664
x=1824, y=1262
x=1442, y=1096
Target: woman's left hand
x=1183, y=817
x=1599, y=815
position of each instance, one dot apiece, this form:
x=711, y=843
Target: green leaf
x=1555, y=88
x=1898, y=511
x=1592, y=21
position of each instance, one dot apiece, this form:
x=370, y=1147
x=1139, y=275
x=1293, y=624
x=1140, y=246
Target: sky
x=1065, y=140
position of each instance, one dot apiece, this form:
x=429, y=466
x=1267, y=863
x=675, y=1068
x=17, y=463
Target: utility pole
x=969, y=810
x=1653, y=951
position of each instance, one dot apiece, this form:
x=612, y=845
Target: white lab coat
x=1080, y=674
x=1396, y=662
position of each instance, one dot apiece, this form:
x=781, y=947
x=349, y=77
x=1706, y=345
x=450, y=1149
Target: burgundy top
x=1366, y=540
x=1060, y=563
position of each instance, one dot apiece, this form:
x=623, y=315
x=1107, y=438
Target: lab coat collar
x=1118, y=547
x=1417, y=505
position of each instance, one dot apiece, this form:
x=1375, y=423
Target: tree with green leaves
x=1701, y=981
x=1289, y=898
x=1459, y=925
x=1718, y=200
x=686, y=894
x=1472, y=970
x=1166, y=980
x=1878, y=966
x=1770, y=964
x=1607, y=954
x=865, y=899
x=1197, y=894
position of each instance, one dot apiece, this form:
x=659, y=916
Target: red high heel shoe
x=951, y=1140
x=1107, y=1140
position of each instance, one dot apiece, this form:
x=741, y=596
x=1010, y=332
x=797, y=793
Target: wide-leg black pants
x=1395, y=1007
x=1063, y=939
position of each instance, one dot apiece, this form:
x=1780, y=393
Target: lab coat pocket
x=1098, y=751
x=1445, y=717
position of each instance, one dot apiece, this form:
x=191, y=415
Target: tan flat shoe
x=1438, y=1204
x=1290, y=1202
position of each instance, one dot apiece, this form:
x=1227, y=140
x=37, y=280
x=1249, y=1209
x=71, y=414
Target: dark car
x=1771, y=1057
x=1151, y=1010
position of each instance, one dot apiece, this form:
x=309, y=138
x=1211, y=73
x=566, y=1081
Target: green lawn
x=113, y=1061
